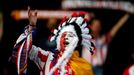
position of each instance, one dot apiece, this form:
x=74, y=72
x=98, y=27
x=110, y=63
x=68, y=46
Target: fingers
x=28, y=9
x=35, y=13
x=31, y=13
x=32, y=16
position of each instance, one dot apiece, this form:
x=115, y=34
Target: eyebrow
x=72, y=33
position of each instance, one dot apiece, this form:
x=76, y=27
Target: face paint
x=62, y=41
x=65, y=36
x=66, y=39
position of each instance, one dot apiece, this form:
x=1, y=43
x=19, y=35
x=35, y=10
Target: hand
x=13, y=57
x=32, y=16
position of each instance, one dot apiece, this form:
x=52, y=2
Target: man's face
x=66, y=39
x=96, y=26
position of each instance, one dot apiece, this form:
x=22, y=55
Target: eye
x=70, y=35
x=64, y=34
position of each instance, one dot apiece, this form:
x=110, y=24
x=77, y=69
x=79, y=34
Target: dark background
x=120, y=49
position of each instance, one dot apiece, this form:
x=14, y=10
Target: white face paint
x=69, y=38
x=66, y=37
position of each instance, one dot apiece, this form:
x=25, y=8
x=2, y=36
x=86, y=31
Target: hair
x=78, y=32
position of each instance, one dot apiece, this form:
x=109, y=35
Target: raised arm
x=119, y=24
x=32, y=18
x=24, y=43
x=66, y=55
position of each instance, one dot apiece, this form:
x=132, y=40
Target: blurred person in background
x=70, y=36
x=101, y=43
x=51, y=24
x=1, y=25
x=129, y=70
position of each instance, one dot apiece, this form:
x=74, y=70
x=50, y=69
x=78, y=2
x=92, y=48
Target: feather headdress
x=68, y=24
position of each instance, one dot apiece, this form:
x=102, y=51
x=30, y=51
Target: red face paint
x=62, y=41
x=65, y=39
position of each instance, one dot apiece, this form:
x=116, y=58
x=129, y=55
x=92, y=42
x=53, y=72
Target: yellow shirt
x=79, y=65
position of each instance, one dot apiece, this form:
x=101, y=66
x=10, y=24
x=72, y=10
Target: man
x=70, y=36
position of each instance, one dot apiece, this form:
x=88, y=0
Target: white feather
x=86, y=36
x=52, y=38
x=72, y=20
x=55, y=31
x=83, y=25
x=59, y=27
x=85, y=41
x=69, y=19
x=86, y=46
x=79, y=20
x=64, y=24
x=85, y=31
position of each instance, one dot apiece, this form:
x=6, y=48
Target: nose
x=66, y=38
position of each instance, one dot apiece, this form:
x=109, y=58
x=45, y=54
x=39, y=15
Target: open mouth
x=66, y=43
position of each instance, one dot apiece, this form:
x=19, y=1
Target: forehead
x=68, y=33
